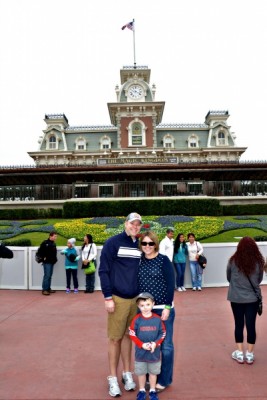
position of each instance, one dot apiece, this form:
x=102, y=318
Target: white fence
x=22, y=271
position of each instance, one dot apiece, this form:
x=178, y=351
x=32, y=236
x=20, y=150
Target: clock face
x=136, y=92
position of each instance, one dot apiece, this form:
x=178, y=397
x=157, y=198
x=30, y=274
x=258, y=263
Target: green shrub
x=18, y=242
x=245, y=209
x=78, y=209
x=30, y=213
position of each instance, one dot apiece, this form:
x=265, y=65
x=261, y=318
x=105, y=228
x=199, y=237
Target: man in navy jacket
x=118, y=272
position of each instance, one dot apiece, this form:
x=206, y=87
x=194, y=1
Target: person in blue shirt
x=147, y=331
x=71, y=265
x=179, y=259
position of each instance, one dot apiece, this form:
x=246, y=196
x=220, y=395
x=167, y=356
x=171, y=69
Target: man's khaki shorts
x=120, y=320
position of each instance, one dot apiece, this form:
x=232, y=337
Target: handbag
x=259, y=297
x=202, y=260
x=90, y=269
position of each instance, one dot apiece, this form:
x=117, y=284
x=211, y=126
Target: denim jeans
x=167, y=351
x=196, y=276
x=180, y=270
x=48, y=272
x=90, y=282
x=71, y=272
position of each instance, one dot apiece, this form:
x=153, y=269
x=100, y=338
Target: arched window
x=52, y=142
x=168, y=141
x=136, y=132
x=80, y=144
x=221, y=138
x=105, y=143
x=193, y=141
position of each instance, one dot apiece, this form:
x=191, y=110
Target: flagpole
x=134, y=44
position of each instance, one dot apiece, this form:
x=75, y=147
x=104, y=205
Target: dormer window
x=221, y=138
x=193, y=141
x=80, y=144
x=168, y=141
x=105, y=143
x=52, y=142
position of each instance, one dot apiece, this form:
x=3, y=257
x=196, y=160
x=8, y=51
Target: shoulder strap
x=256, y=293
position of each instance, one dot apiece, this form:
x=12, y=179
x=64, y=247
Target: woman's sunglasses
x=148, y=243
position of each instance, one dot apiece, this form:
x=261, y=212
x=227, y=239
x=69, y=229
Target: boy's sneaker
x=141, y=395
x=179, y=289
x=238, y=356
x=76, y=291
x=153, y=395
x=249, y=357
x=67, y=290
x=114, y=389
x=183, y=288
x=127, y=379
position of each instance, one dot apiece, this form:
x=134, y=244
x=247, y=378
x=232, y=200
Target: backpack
x=38, y=258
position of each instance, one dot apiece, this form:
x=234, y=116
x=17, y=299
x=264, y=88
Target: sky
x=65, y=56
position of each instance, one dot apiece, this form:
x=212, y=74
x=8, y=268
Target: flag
x=130, y=26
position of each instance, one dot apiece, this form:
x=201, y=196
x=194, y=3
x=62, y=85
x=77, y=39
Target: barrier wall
x=23, y=272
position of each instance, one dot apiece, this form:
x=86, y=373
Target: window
x=105, y=190
x=52, y=142
x=221, y=138
x=168, y=141
x=105, y=143
x=81, y=144
x=136, y=133
x=193, y=141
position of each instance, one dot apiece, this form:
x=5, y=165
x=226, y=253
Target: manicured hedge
x=77, y=209
x=245, y=209
x=30, y=213
x=18, y=242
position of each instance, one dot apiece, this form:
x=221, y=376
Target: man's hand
x=109, y=306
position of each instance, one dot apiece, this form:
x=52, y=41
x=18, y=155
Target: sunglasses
x=148, y=243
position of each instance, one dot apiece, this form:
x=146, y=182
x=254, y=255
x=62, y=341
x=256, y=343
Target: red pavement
x=55, y=347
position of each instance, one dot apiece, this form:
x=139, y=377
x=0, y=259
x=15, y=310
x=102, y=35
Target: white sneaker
x=179, y=289
x=238, y=356
x=114, y=389
x=183, y=288
x=194, y=288
x=199, y=288
x=249, y=357
x=127, y=379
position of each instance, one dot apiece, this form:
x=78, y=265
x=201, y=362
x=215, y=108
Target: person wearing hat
x=118, y=273
x=147, y=331
x=166, y=245
x=71, y=265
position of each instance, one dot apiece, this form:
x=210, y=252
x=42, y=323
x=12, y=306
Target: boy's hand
x=63, y=251
x=152, y=346
x=146, y=346
x=77, y=258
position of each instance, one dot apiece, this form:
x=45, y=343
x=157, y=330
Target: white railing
x=22, y=271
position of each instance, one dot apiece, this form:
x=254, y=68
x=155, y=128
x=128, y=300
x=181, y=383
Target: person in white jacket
x=194, y=251
x=166, y=245
x=89, y=253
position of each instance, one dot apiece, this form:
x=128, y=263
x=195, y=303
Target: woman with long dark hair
x=179, y=259
x=89, y=253
x=156, y=276
x=245, y=268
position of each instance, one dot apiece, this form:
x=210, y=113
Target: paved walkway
x=55, y=348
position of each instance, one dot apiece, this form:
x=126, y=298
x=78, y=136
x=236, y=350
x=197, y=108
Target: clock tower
x=136, y=113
